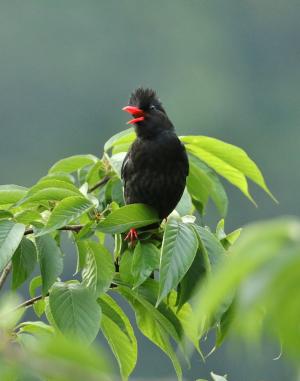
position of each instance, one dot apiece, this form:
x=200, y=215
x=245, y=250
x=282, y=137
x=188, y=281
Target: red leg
x=132, y=236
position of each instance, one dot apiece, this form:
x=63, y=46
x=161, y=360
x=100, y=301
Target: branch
x=73, y=228
x=30, y=302
x=99, y=183
x=5, y=273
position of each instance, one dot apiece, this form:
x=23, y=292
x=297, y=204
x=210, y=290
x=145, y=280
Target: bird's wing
x=186, y=159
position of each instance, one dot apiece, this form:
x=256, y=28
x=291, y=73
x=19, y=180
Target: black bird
x=155, y=168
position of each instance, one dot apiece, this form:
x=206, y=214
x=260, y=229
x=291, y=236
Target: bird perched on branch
x=155, y=168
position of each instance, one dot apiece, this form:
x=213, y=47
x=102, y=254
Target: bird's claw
x=132, y=236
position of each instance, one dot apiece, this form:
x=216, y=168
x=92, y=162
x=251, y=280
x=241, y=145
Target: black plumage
x=155, y=168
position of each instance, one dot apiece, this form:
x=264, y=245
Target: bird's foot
x=132, y=236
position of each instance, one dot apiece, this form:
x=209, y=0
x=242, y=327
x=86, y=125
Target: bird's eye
x=153, y=107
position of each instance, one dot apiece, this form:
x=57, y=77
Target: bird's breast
x=156, y=154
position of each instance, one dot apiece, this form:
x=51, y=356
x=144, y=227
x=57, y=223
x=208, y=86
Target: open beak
x=138, y=114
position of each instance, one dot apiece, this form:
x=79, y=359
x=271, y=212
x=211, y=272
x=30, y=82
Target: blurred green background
x=227, y=69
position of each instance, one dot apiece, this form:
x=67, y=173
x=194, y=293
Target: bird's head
x=150, y=117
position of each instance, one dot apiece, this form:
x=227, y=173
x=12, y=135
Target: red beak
x=136, y=112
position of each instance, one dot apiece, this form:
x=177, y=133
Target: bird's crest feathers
x=144, y=98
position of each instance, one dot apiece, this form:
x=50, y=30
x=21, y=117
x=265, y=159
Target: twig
x=28, y=231
x=73, y=228
x=5, y=273
x=99, y=183
x=30, y=302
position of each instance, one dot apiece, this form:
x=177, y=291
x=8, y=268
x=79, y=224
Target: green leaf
x=226, y=240
x=39, y=306
x=152, y=324
x=50, y=260
x=178, y=250
x=10, y=237
x=37, y=328
x=53, y=357
x=75, y=311
x=9, y=314
x=203, y=183
x=127, y=217
x=228, y=160
x=230, y=173
x=220, y=229
x=50, y=189
x=214, y=256
x=62, y=176
x=199, y=184
x=224, y=324
x=211, y=247
x=119, y=334
x=185, y=205
x=125, y=267
x=123, y=137
x=148, y=292
x=185, y=315
x=269, y=246
x=48, y=314
x=118, y=246
x=87, y=231
x=176, y=324
x=145, y=260
x=95, y=173
x=9, y=194
x=66, y=211
x=114, y=191
x=81, y=254
x=190, y=282
x=49, y=182
x=99, y=268
x=233, y=236
x=116, y=162
x=50, y=194
x=215, y=377
x=5, y=215
x=73, y=163
x=28, y=216
x=23, y=261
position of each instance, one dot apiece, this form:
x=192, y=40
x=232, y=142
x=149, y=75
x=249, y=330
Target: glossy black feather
x=155, y=168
